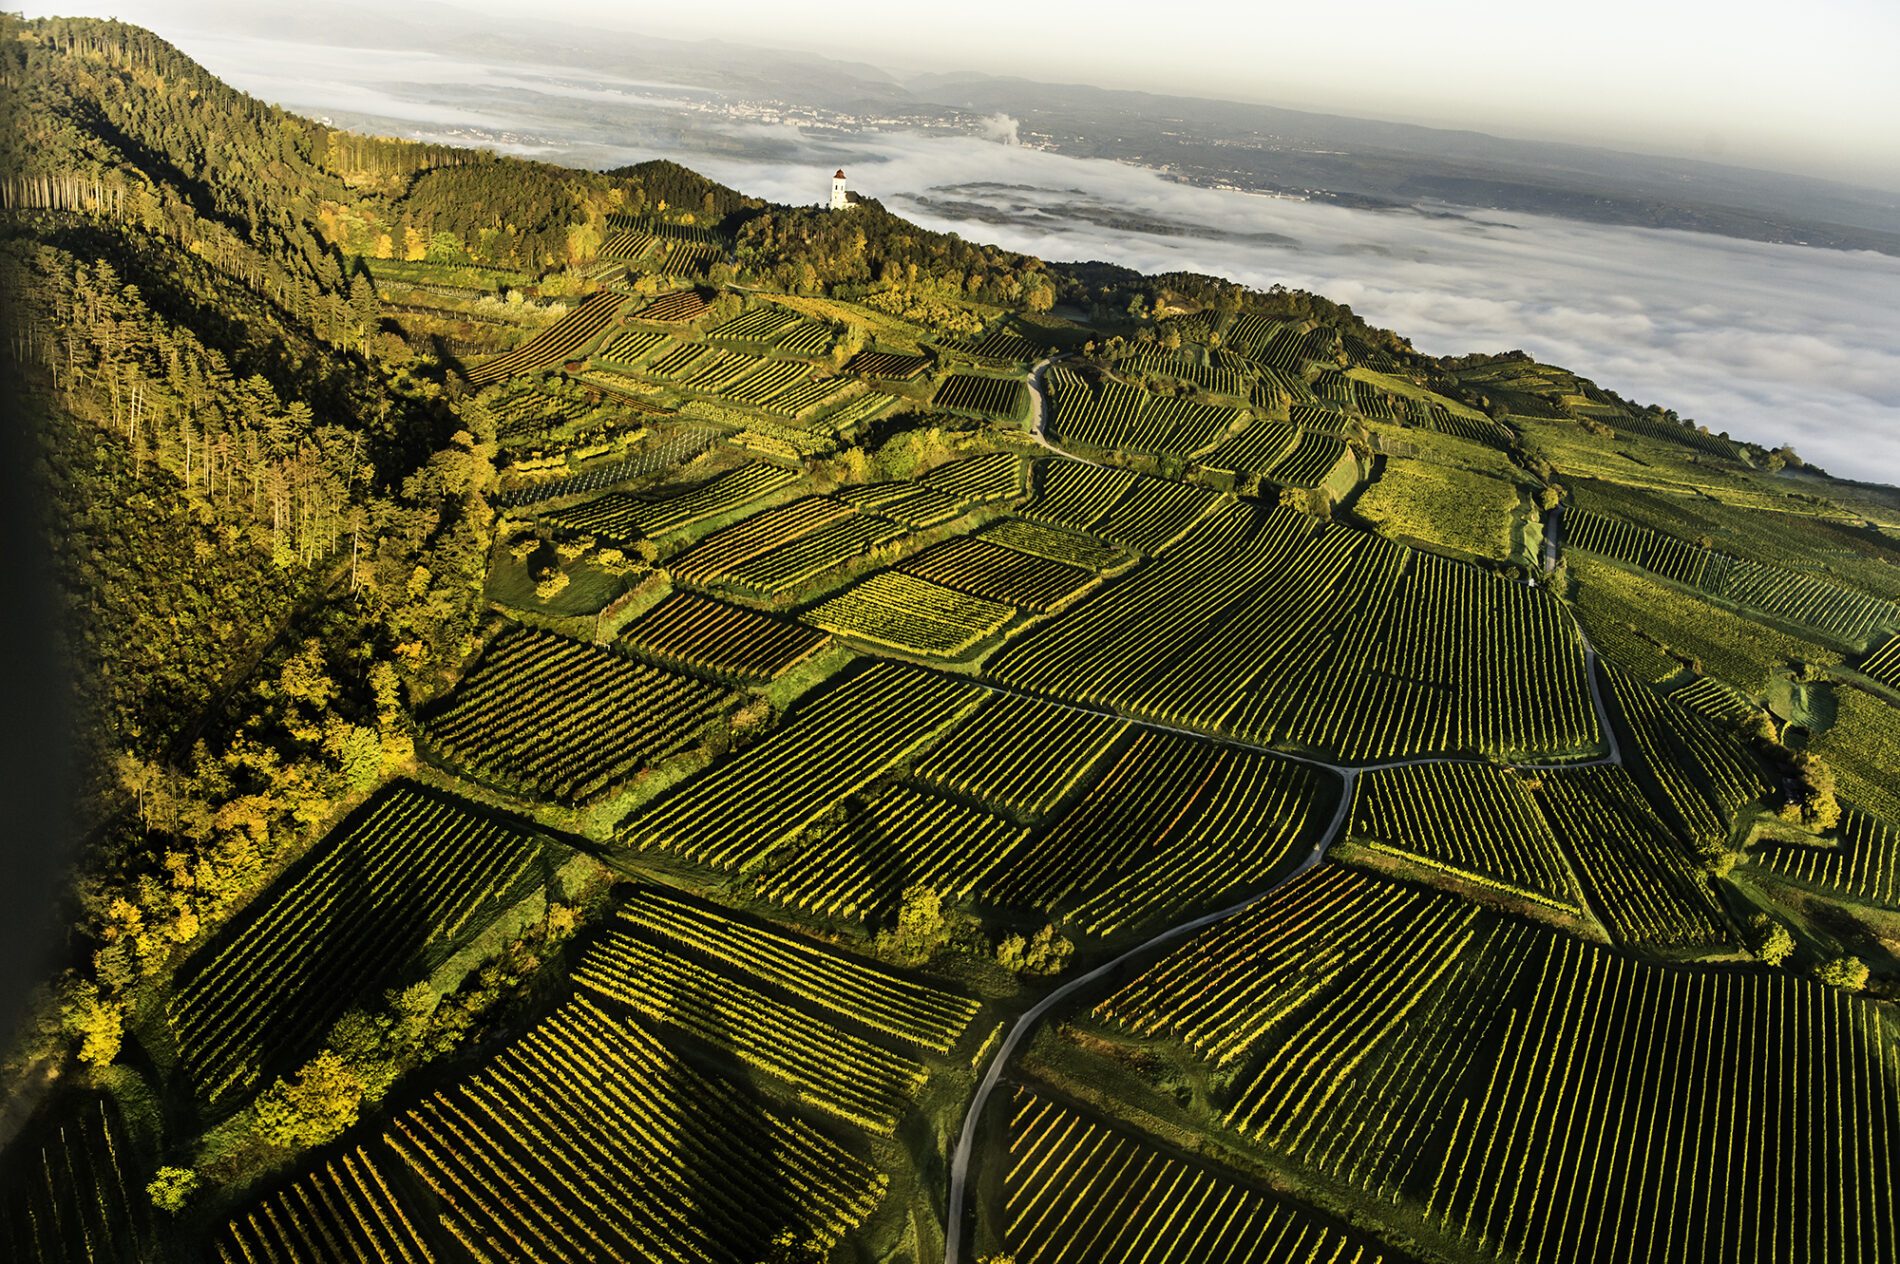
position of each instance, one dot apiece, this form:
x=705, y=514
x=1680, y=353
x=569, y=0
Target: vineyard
x=1255, y=450
x=1703, y=773
x=1002, y=398
x=592, y=1134
x=627, y=720
x=979, y=479
x=1827, y=608
x=1055, y=544
x=792, y=564
x=1863, y=864
x=1212, y=378
x=733, y=814
x=820, y=1065
x=1403, y=654
x=411, y=877
x=1477, y=823
x=565, y=719
x=673, y=448
x=860, y=870
x=999, y=346
x=897, y=610
x=627, y=518
x=556, y=344
x=1079, y=1191
x=346, y=1209
x=775, y=551
x=1862, y=746
x=722, y=641
x=1883, y=664
x=888, y=365
x=999, y=573
x=1172, y=825
x=864, y=995
x=679, y=308
x=1529, y=1092
x=1116, y=416
x=1640, y=882
x=1311, y=462
x=70, y=1190
x=776, y=327
x=1119, y=506
x=1021, y=756
x=913, y=504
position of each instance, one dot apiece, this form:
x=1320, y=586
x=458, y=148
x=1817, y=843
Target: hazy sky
x=1810, y=87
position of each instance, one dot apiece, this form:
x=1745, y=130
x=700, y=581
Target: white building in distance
x=842, y=199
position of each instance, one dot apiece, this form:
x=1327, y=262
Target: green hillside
x=622, y=721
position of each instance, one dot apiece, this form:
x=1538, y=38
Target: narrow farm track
x=1023, y=1026
x=957, y=1207
x=1039, y=413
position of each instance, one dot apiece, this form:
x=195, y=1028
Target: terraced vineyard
x=897, y=610
x=1526, y=1091
x=1476, y=823
x=1021, y=755
x=860, y=870
x=736, y=812
x=408, y=879
x=986, y=396
x=565, y=719
x=556, y=343
x=719, y=640
x=590, y=1131
x=630, y=517
x=1079, y=1191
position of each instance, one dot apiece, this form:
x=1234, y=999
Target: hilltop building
x=842, y=199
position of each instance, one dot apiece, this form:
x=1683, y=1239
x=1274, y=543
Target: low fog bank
x=1770, y=343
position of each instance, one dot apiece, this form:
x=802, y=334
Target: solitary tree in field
x=1771, y=939
x=1847, y=973
x=172, y=1188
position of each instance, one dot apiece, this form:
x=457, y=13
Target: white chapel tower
x=838, y=200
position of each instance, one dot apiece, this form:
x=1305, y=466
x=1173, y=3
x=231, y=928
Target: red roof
x=838, y=176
